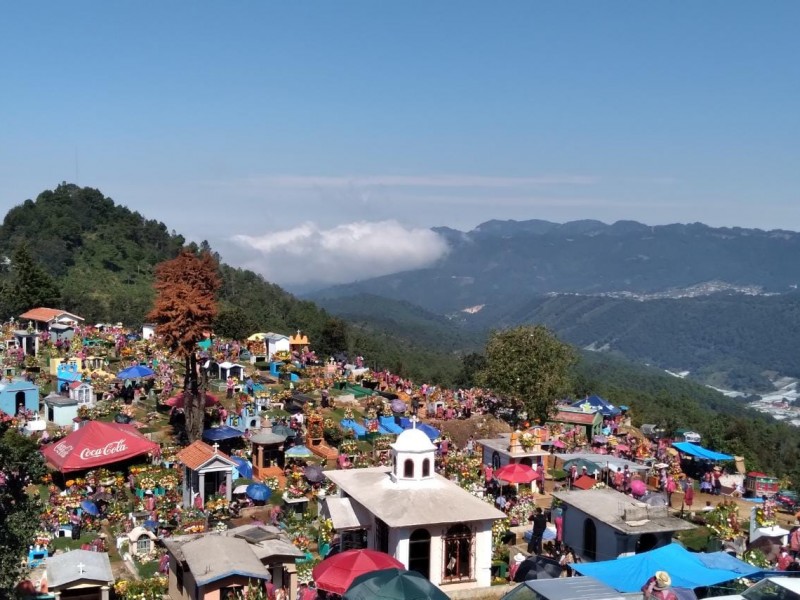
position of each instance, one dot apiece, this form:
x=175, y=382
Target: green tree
x=235, y=323
x=529, y=366
x=20, y=465
x=30, y=285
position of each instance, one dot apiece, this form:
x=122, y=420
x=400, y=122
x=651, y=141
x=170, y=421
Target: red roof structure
x=584, y=482
x=198, y=453
x=579, y=418
x=45, y=315
x=97, y=444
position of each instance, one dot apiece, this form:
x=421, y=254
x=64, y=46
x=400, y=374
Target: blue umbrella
x=299, y=452
x=136, y=372
x=258, y=492
x=244, y=467
x=223, y=432
x=90, y=508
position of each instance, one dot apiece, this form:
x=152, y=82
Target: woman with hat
x=516, y=561
x=658, y=587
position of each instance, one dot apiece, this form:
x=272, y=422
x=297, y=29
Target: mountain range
x=720, y=303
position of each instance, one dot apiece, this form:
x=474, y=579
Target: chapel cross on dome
x=215, y=447
x=414, y=420
x=81, y=567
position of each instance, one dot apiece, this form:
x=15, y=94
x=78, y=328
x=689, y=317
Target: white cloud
x=348, y=252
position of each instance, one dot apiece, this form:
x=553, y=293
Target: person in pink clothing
x=558, y=521
x=670, y=489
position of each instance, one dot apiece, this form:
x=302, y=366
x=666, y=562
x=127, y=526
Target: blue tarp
x=429, y=430
x=216, y=434
x=244, y=467
x=597, y=403
x=389, y=425
x=687, y=569
x=699, y=451
x=359, y=430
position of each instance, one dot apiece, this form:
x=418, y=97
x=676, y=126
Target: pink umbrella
x=638, y=487
x=623, y=448
x=559, y=444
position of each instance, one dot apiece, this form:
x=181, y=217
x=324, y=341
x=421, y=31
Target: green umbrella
x=204, y=344
x=393, y=584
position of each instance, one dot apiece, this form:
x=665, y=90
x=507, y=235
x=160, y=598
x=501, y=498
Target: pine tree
x=29, y=285
x=184, y=311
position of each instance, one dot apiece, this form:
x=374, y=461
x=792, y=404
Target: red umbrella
x=335, y=574
x=97, y=444
x=516, y=473
x=177, y=401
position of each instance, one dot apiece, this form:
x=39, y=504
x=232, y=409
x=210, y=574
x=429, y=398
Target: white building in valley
x=422, y=519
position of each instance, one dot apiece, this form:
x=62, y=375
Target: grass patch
x=695, y=539
x=147, y=570
x=65, y=543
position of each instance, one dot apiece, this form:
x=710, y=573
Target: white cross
x=215, y=447
x=414, y=422
x=81, y=567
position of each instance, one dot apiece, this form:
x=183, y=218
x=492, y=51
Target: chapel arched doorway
x=419, y=552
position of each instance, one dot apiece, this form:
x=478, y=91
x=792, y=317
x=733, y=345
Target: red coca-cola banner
x=97, y=444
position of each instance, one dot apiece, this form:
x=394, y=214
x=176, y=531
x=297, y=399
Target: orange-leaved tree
x=185, y=307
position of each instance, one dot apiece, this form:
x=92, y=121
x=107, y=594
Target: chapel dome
x=413, y=440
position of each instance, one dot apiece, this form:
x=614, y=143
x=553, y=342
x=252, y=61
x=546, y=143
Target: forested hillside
x=100, y=258
x=725, y=340
x=725, y=423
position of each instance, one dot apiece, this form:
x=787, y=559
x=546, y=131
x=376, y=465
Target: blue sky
x=281, y=131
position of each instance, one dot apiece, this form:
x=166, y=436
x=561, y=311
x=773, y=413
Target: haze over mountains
x=718, y=302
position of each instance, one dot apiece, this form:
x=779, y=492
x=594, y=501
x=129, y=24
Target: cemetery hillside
x=96, y=259
x=175, y=427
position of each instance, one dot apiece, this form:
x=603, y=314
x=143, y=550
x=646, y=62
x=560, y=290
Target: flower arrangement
x=372, y=426
x=361, y=461
x=723, y=520
x=272, y=483
x=382, y=442
x=527, y=440
x=348, y=447
x=295, y=491
x=302, y=542
x=348, y=413
x=152, y=588
x=326, y=531
x=304, y=571
x=765, y=514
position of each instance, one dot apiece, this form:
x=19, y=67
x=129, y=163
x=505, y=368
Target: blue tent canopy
x=687, y=569
x=244, y=467
x=216, y=434
x=598, y=404
x=136, y=372
x=699, y=451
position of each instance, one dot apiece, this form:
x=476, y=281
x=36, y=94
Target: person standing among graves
x=539, y=526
